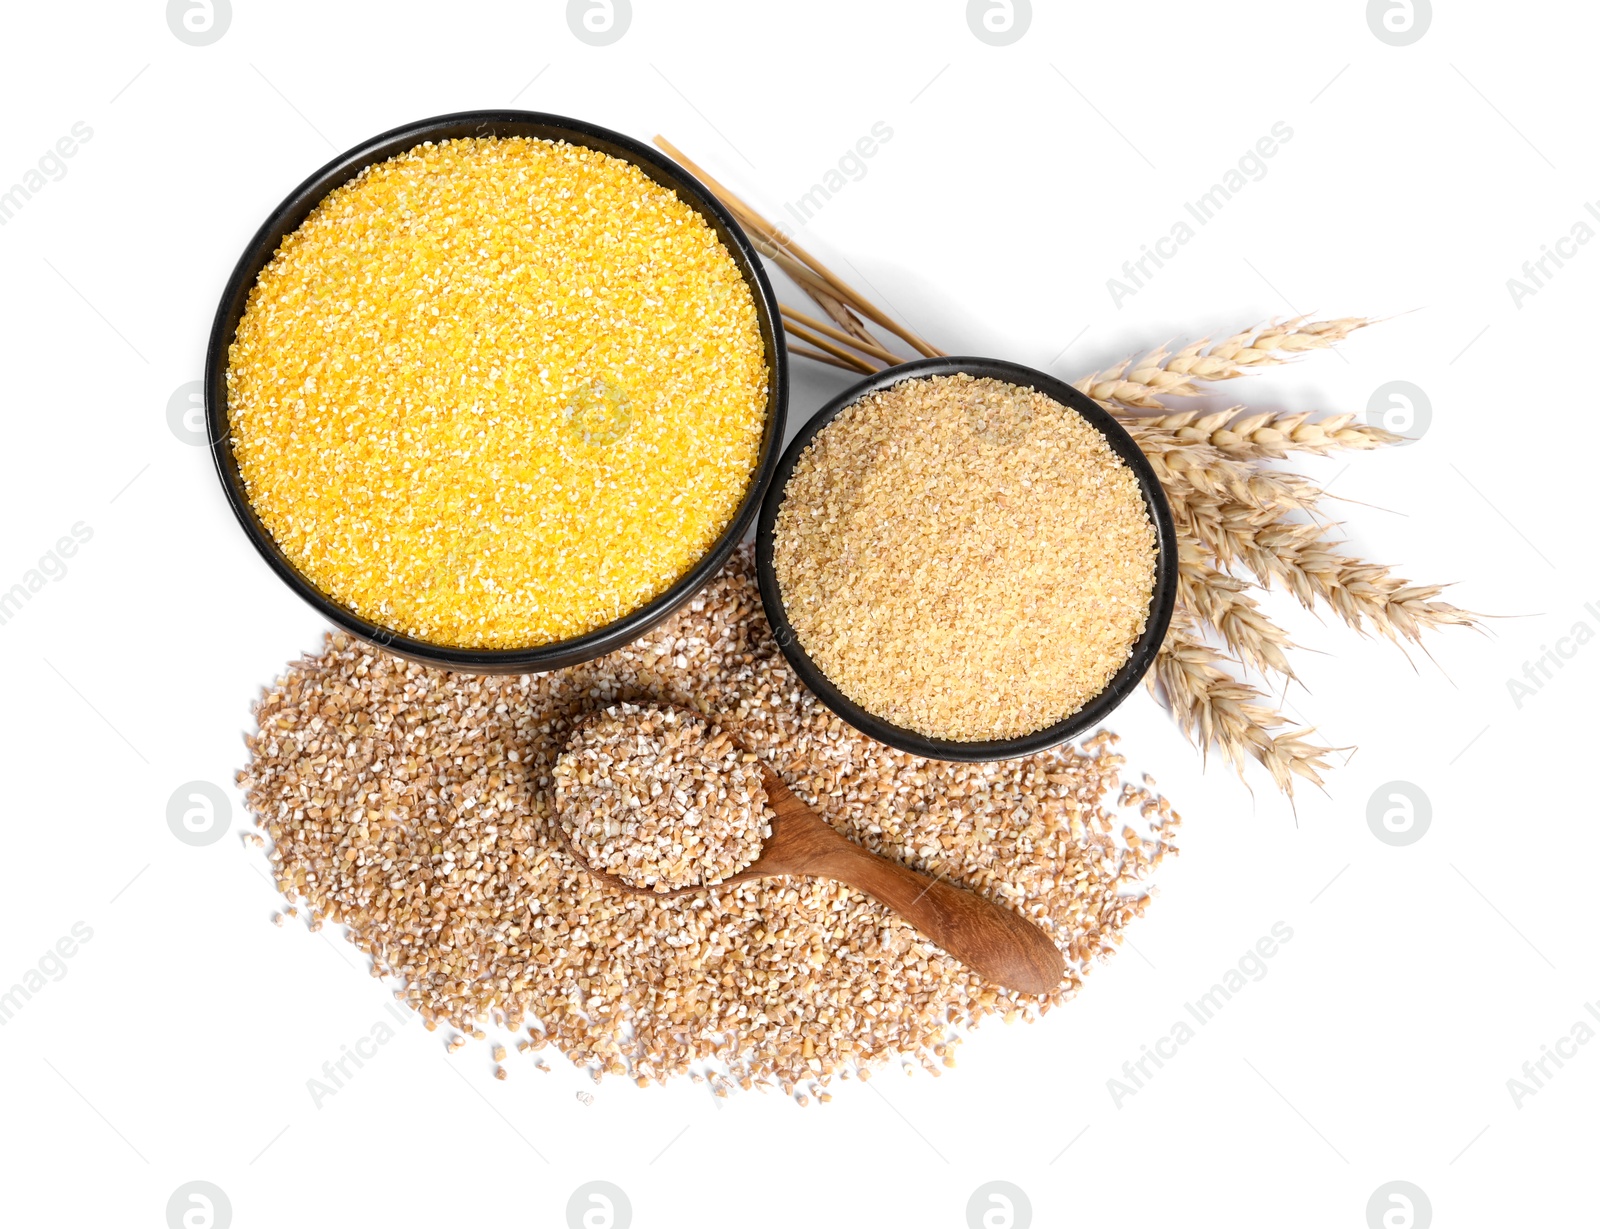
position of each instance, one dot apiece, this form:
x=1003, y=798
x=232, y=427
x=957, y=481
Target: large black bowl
x=294, y=210
x=1122, y=682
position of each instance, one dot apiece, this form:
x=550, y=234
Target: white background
x=178, y=1044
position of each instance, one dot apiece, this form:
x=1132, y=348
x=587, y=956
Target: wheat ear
x=1222, y=601
x=1140, y=383
x=1296, y=555
x=1214, y=708
x=1242, y=436
x=1367, y=596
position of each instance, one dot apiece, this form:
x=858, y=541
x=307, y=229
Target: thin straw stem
x=754, y=221
x=866, y=347
x=817, y=357
x=822, y=343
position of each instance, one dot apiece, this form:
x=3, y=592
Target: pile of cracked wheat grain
x=414, y=806
x=965, y=558
x=498, y=392
x=660, y=798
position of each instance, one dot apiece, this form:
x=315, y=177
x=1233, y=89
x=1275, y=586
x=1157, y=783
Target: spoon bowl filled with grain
x=655, y=800
x=967, y=559
x=498, y=391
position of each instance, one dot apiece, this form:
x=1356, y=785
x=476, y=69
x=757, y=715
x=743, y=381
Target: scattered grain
x=414, y=806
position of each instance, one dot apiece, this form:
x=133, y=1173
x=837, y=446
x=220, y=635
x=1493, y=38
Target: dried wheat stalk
x=1231, y=511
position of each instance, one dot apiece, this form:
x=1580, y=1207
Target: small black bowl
x=294, y=210
x=1122, y=682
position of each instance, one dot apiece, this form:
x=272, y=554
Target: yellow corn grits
x=498, y=392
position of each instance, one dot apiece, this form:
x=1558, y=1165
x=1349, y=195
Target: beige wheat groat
x=965, y=558
x=660, y=799
x=415, y=807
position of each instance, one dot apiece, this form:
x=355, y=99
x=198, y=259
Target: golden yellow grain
x=498, y=392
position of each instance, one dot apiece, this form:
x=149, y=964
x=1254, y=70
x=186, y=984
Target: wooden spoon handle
x=1002, y=946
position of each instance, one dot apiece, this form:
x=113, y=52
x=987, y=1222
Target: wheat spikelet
x=1140, y=383
x=1117, y=386
x=1214, y=708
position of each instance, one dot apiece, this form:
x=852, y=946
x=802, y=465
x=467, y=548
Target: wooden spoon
x=999, y=945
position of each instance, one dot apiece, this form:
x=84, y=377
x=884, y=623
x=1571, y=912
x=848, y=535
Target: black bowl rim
x=500, y=122
x=1122, y=682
